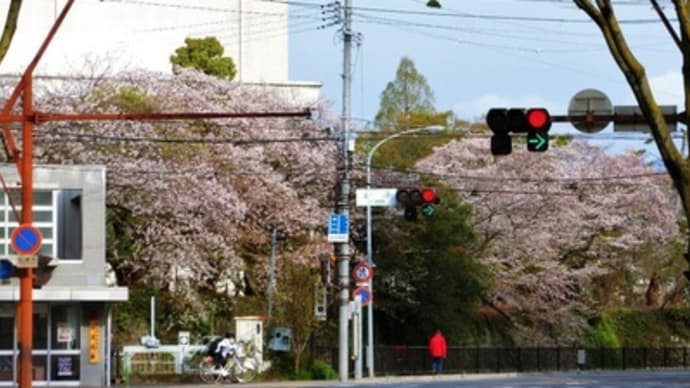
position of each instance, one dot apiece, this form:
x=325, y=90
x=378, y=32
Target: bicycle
x=239, y=368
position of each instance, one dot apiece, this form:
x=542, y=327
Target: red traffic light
x=538, y=119
x=429, y=196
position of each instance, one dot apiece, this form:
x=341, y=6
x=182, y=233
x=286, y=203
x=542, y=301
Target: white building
x=107, y=36
x=129, y=34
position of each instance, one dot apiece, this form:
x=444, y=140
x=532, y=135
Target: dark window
x=6, y=333
x=64, y=367
x=69, y=225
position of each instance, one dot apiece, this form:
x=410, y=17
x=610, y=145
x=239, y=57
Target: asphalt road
x=647, y=379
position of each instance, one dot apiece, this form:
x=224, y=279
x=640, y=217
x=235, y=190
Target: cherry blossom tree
x=196, y=200
x=553, y=222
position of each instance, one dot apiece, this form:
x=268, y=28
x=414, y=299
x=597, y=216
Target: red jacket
x=437, y=346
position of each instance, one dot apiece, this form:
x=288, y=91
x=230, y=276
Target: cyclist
x=226, y=348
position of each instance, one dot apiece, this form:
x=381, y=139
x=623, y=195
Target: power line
x=139, y=139
x=466, y=15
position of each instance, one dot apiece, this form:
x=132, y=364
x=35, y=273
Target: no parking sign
x=364, y=294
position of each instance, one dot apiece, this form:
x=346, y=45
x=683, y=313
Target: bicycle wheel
x=206, y=372
x=244, y=371
x=220, y=377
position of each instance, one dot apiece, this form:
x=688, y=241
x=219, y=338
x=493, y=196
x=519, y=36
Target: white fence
x=165, y=359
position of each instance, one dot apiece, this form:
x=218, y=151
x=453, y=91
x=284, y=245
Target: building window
x=64, y=342
x=56, y=213
x=6, y=347
x=6, y=368
x=6, y=333
x=65, y=330
x=64, y=367
x=69, y=224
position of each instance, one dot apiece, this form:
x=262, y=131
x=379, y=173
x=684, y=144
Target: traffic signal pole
x=25, y=308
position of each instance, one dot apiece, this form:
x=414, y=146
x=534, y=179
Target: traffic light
x=429, y=199
x=42, y=266
x=43, y=271
x=497, y=120
x=536, y=122
x=538, y=125
x=411, y=198
x=7, y=269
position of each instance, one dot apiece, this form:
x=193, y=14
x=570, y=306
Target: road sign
x=338, y=228
x=26, y=240
x=364, y=294
x=362, y=272
x=375, y=197
x=586, y=104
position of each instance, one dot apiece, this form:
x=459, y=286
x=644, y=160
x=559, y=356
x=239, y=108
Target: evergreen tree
x=205, y=55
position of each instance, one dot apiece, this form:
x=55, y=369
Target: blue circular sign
x=364, y=294
x=26, y=240
x=6, y=269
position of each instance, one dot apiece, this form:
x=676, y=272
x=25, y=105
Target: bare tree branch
x=10, y=27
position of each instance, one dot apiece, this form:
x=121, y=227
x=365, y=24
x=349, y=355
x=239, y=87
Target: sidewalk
x=334, y=383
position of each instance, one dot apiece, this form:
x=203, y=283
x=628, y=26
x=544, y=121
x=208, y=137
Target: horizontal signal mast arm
x=618, y=119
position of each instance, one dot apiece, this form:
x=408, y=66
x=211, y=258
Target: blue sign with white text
x=338, y=227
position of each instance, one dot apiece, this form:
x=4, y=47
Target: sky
x=477, y=55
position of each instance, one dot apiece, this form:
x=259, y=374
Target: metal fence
x=411, y=360
x=415, y=360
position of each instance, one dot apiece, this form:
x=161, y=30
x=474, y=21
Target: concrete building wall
x=90, y=270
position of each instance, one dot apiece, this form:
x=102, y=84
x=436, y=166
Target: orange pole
x=25, y=310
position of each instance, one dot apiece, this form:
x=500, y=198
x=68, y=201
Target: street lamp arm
x=391, y=137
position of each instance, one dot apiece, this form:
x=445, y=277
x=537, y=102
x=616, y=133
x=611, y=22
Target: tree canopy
x=205, y=55
x=408, y=93
x=603, y=14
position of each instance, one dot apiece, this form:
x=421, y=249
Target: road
x=646, y=379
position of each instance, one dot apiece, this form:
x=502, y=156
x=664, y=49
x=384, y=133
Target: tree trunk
x=653, y=291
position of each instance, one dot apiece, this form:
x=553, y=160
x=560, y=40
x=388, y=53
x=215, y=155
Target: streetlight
x=370, y=261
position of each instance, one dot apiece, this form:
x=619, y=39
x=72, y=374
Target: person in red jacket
x=439, y=351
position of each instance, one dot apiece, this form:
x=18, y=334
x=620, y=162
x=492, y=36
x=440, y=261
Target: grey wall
x=90, y=271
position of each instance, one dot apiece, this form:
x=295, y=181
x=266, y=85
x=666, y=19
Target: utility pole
x=272, y=274
x=342, y=250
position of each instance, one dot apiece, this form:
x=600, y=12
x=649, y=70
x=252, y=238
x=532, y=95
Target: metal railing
x=415, y=360
x=403, y=360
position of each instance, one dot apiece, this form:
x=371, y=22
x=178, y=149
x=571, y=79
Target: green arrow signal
x=428, y=210
x=537, y=141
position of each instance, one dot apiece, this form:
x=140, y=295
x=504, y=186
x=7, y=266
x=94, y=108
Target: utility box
x=183, y=338
x=281, y=340
x=250, y=329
